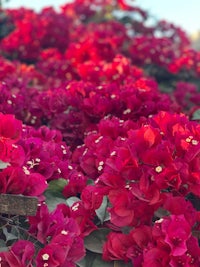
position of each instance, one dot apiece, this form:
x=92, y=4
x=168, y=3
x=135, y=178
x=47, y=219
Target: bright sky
x=181, y=12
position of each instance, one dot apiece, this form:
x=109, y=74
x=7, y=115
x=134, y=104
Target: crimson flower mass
x=99, y=119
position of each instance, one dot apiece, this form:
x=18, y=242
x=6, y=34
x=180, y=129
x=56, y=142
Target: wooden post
x=18, y=205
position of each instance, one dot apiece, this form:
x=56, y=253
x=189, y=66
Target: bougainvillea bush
x=99, y=120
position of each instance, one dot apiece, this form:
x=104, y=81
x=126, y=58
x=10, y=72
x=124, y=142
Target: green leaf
x=101, y=212
x=57, y=185
x=94, y=242
x=9, y=236
x=54, y=194
x=122, y=264
x=53, y=199
x=94, y=260
x=90, y=182
x=196, y=115
x=4, y=165
x=3, y=246
x=98, y=262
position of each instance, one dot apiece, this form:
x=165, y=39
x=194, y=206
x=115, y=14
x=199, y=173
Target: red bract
x=176, y=236
x=61, y=252
x=141, y=237
x=48, y=256
x=21, y=254
x=72, y=244
x=116, y=247
x=152, y=46
x=76, y=183
x=122, y=212
x=22, y=41
x=13, y=180
x=10, y=128
x=156, y=257
x=36, y=185
x=191, y=258
x=47, y=225
x=84, y=218
x=178, y=206
x=91, y=197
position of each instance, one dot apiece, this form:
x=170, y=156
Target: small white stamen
x=127, y=111
x=33, y=121
x=63, y=232
x=97, y=180
x=158, y=169
x=26, y=171
x=113, y=153
x=100, y=168
x=113, y=96
x=160, y=220
x=64, y=149
x=32, y=163
x=195, y=142
x=141, y=90
x=98, y=139
x=128, y=187
x=85, y=151
x=75, y=207
x=45, y=257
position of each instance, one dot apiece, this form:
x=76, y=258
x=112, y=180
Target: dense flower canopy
x=99, y=119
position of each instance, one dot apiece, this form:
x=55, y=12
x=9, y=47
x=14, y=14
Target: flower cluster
x=85, y=127
x=60, y=239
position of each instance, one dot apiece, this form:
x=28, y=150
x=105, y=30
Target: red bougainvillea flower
x=10, y=133
x=36, y=185
x=179, y=206
x=83, y=217
x=91, y=197
x=16, y=180
x=190, y=258
x=156, y=257
x=13, y=180
x=46, y=225
x=72, y=244
x=61, y=252
x=122, y=212
x=10, y=127
x=176, y=236
x=61, y=236
x=109, y=132
x=77, y=182
x=116, y=247
x=141, y=237
x=21, y=254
